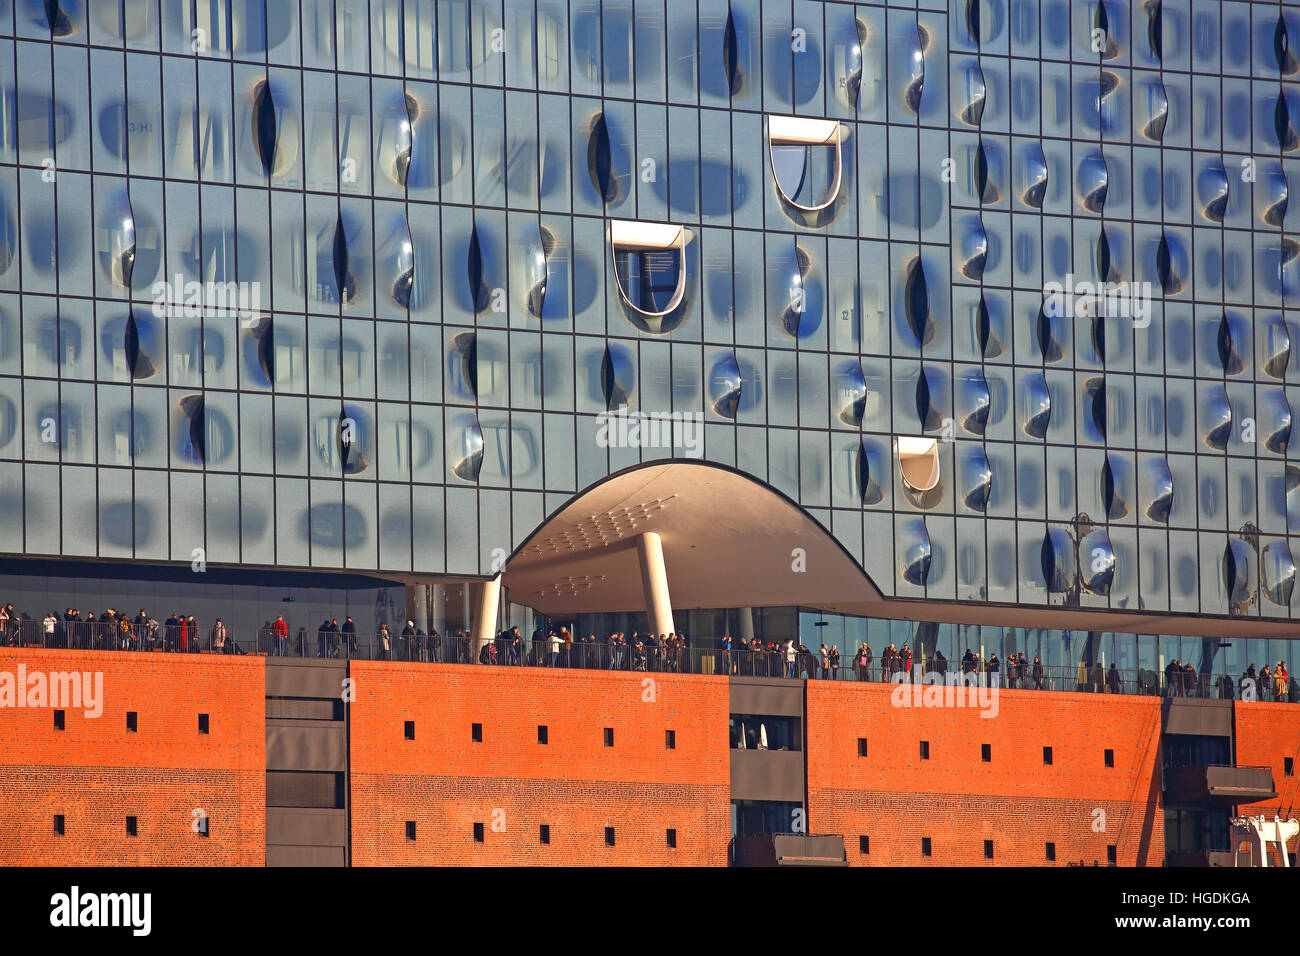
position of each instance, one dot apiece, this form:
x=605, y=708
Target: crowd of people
x=114, y=629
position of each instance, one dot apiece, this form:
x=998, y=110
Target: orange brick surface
x=1267, y=733
x=512, y=784
x=957, y=800
x=96, y=772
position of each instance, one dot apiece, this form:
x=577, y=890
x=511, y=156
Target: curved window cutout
x=1171, y=264
x=1094, y=396
x=1282, y=54
x=918, y=462
x=1226, y=341
x=1155, y=28
x=914, y=551
x=1157, y=106
x=1286, y=135
x=351, y=433
x=479, y=292
x=807, y=166
x=1160, y=482
x=1094, y=182
x=650, y=272
x=1056, y=560
x=1275, y=346
x=1274, y=420
x=731, y=55
x=345, y=283
x=850, y=393
x=533, y=270
x=1036, y=406
x=990, y=345
x=1216, y=416
x=872, y=469
x=1105, y=265
x=401, y=259
x=265, y=126
x=139, y=334
x=1097, y=561
x=725, y=386
x=1114, y=482
x=1277, y=573
x=204, y=435
x=462, y=365
x=465, y=447
x=404, y=139
x=600, y=160
x=914, y=65
x=931, y=397
x=1238, y=574
x=974, y=249
x=1034, y=180
x=985, y=188
x=916, y=302
x=1101, y=21
x=976, y=95
x=975, y=400
x=1212, y=183
x=57, y=20
x=117, y=255
x=617, y=376
x=1276, y=198
x=974, y=476
x=851, y=52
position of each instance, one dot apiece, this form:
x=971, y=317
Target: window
x=544, y=834
x=1111, y=855
x=862, y=746
x=986, y=753
x=542, y=734
x=672, y=839
x=478, y=833
x=670, y=740
x=765, y=732
x=1110, y=758
x=132, y=725
x=925, y=846
x=58, y=824
x=609, y=736
x=409, y=729
x=476, y=733
x=609, y=836
x=203, y=723
x=1288, y=766
x=1051, y=851
x=988, y=849
x=131, y=828
x=1047, y=755
x=925, y=750
x=864, y=844
x=410, y=829
x=59, y=721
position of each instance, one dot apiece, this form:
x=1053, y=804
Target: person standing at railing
x=1038, y=673
x=49, y=626
x=350, y=636
x=1281, y=682
x=1113, y=682
x=280, y=633
x=384, y=642
x=217, y=637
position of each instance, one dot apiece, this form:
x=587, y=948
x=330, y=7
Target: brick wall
x=445, y=782
x=959, y=801
x=96, y=772
x=1267, y=733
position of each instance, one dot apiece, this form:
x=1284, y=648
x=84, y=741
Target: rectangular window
x=864, y=844
x=58, y=720
x=1111, y=855
x=542, y=734
x=988, y=849
x=670, y=740
x=132, y=725
x=410, y=829
x=1110, y=758
x=986, y=753
x=1288, y=766
x=1051, y=851
x=672, y=839
x=609, y=736
x=203, y=723
x=862, y=746
x=131, y=828
x=58, y=824
x=925, y=846
x=1047, y=755
x=478, y=833
x=409, y=729
x=925, y=750
x=544, y=833
x=609, y=836
x=476, y=733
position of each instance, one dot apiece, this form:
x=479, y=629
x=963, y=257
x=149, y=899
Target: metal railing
x=586, y=655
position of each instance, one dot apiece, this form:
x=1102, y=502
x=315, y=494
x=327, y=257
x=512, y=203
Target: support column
x=654, y=581
x=485, y=621
x=746, y=616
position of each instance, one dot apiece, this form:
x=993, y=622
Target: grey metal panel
x=1181, y=715
x=300, y=709
x=297, y=747
x=323, y=828
x=767, y=775
x=305, y=856
x=759, y=695
x=292, y=677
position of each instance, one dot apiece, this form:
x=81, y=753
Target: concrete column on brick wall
x=746, y=623
x=438, y=608
x=654, y=580
x=485, y=621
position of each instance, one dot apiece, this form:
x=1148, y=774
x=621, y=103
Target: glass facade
x=1000, y=291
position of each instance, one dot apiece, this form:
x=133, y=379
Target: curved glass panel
x=1097, y=561
x=725, y=386
x=650, y=272
x=974, y=476
x=1238, y=574
x=1057, y=560
x=465, y=446
x=914, y=551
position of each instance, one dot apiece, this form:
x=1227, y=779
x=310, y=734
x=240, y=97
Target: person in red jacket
x=184, y=629
x=280, y=632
